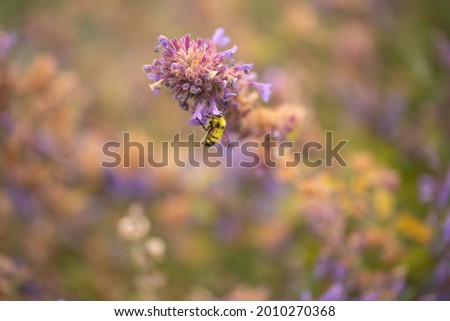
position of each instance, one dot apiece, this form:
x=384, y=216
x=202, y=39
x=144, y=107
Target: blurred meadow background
x=375, y=72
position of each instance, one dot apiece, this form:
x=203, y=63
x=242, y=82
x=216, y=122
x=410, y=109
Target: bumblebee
x=215, y=130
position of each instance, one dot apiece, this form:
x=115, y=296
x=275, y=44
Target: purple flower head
x=444, y=192
x=7, y=41
x=335, y=292
x=201, y=79
x=432, y=189
x=135, y=185
x=370, y=295
x=306, y=296
x=321, y=268
x=339, y=271
x=427, y=188
x=442, y=271
x=227, y=228
x=446, y=229
x=219, y=37
x=6, y=122
x=442, y=44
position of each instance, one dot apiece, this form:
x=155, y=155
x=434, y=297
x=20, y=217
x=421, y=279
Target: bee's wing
x=225, y=139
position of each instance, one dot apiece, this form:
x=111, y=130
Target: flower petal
x=264, y=90
x=219, y=37
x=197, y=117
x=213, y=108
x=229, y=53
x=155, y=87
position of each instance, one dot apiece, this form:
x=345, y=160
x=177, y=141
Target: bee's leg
x=204, y=127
